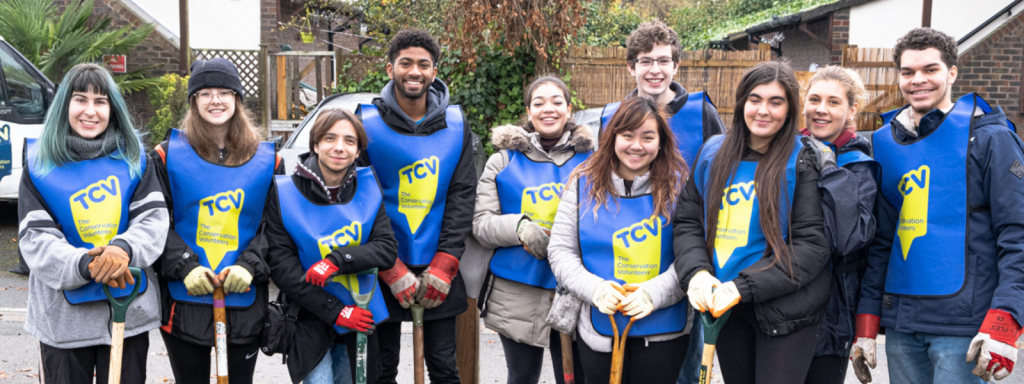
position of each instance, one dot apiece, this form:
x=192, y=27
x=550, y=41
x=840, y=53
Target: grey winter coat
x=567, y=264
x=57, y=266
x=512, y=309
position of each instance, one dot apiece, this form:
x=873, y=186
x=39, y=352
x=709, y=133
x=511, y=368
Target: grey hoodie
x=437, y=101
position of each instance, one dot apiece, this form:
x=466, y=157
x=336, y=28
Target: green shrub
x=170, y=99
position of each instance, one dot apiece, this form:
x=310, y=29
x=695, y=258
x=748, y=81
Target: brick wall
x=840, y=34
x=993, y=68
x=268, y=25
x=155, y=50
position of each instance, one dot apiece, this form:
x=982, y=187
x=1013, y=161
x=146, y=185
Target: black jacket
x=319, y=309
x=458, y=214
x=783, y=302
x=848, y=204
x=194, y=323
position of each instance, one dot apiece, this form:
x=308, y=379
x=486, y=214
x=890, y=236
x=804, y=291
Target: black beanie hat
x=214, y=73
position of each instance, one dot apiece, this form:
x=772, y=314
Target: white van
x=25, y=94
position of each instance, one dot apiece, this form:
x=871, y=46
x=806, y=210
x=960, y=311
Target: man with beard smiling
x=420, y=148
x=943, y=272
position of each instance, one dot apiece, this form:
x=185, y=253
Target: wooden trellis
x=248, y=63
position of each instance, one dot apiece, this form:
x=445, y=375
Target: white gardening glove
x=863, y=353
x=725, y=297
x=608, y=295
x=699, y=291
x=638, y=303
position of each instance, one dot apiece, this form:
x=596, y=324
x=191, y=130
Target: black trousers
x=643, y=363
x=438, y=350
x=524, y=362
x=829, y=369
x=76, y=365
x=748, y=356
x=191, y=362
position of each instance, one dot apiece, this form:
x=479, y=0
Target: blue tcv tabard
x=337, y=225
x=628, y=244
x=415, y=172
x=531, y=188
x=89, y=200
x=217, y=210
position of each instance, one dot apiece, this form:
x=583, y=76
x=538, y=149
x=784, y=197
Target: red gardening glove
x=863, y=353
x=403, y=284
x=355, y=318
x=321, y=273
x=436, y=280
x=995, y=346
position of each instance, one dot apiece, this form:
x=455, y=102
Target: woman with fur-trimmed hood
x=516, y=201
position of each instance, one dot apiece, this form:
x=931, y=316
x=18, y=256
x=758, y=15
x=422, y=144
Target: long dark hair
x=667, y=171
x=771, y=169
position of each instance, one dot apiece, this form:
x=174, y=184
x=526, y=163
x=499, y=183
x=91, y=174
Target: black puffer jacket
x=194, y=323
x=783, y=302
x=313, y=330
x=457, y=221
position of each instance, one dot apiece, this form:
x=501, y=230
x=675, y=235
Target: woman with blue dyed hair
x=89, y=206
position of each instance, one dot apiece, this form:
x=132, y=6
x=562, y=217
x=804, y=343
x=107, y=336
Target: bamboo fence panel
x=600, y=75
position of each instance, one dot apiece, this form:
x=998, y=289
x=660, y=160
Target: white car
x=25, y=95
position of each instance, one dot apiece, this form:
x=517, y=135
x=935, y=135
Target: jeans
x=690, y=374
x=333, y=369
x=438, y=350
x=928, y=358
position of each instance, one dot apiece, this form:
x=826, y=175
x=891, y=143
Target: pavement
x=19, y=351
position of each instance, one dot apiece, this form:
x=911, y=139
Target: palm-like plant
x=54, y=42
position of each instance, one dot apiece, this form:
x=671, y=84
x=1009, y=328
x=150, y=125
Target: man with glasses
x=652, y=54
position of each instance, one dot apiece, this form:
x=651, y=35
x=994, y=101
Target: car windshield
x=346, y=102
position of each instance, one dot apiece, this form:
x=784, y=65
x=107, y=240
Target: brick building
x=994, y=66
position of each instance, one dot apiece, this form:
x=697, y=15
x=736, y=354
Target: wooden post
x=261, y=83
x=282, y=88
x=467, y=348
x=184, y=49
x=926, y=14
x=319, y=80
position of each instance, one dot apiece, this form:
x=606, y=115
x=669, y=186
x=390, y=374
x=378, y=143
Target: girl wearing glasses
x=216, y=174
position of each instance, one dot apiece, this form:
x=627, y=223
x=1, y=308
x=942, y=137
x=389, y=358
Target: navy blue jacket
x=995, y=239
x=848, y=205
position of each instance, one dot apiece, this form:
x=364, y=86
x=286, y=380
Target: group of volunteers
x=809, y=239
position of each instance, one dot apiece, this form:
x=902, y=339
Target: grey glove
x=823, y=155
x=533, y=237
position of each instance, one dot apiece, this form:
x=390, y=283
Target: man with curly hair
x=652, y=58
x=420, y=147
x=943, y=274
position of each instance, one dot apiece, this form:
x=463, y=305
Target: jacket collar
x=677, y=102
x=577, y=138
x=309, y=169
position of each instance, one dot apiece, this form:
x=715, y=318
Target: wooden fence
x=881, y=79
x=600, y=76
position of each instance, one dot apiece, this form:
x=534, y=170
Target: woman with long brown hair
x=216, y=173
x=612, y=235
x=760, y=251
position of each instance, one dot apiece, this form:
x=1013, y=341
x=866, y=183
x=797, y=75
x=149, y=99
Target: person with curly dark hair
x=421, y=149
x=943, y=272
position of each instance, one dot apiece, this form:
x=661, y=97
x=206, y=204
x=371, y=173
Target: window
x=24, y=92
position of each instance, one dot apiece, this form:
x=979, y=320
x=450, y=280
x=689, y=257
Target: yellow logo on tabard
x=638, y=251
x=914, y=186
x=96, y=210
x=734, y=220
x=540, y=203
x=416, y=190
x=349, y=236
x=217, y=232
